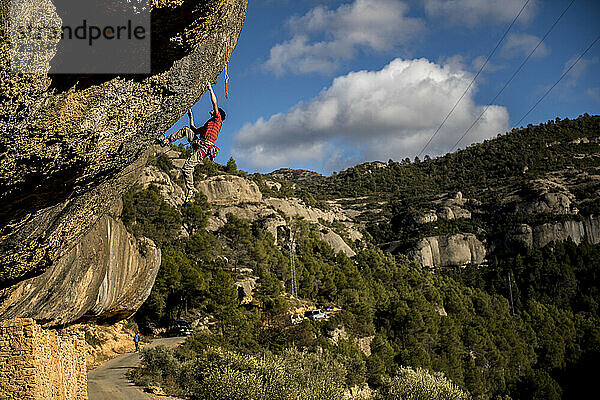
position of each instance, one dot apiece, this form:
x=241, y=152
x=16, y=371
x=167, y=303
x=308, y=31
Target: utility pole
x=512, y=305
x=293, y=263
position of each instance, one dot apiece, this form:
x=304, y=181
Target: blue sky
x=324, y=85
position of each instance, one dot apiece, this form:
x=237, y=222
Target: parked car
x=328, y=308
x=181, y=328
x=315, y=314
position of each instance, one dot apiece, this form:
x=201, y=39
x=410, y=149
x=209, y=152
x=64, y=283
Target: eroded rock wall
x=449, y=250
x=229, y=190
x=106, y=276
x=542, y=235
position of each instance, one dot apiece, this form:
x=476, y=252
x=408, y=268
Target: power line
x=558, y=81
x=473, y=81
x=513, y=76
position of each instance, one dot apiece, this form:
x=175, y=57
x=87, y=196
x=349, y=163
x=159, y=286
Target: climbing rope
x=226, y=74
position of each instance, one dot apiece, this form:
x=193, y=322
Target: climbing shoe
x=163, y=141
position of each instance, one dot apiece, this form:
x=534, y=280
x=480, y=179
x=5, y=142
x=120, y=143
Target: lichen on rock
x=70, y=145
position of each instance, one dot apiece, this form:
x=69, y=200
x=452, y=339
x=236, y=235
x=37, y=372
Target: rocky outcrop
x=449, y=250
x=225, y=190
x=294, y=174
x=106, y=275
x=336, y=242
x=269, y=218
x=242, y=198
x=448, y=208
x=272, y=222
x=71, y=145
x=172, y=192
x=296, y=207
x=246, y=285
x=542, y=235
x=546, y=203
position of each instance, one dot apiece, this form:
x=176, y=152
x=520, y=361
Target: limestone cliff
x=241, y=197
x=71, y=145
x=443, y=250
x=541, y=235
x=229, y=190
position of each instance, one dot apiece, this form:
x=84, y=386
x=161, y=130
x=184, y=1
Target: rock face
x=242, y=198
x=544, y=234
x=229, y=190
x=173, y=193
x=70, y=145
x=448, y=208
x=107, y=275
x=295, y=207
x=449, y=250
x=336, y=243
x=546, y=203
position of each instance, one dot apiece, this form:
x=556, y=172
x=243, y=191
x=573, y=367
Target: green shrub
x=219, y=374
x=420, y=384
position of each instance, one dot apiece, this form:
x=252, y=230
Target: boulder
x=246, y=288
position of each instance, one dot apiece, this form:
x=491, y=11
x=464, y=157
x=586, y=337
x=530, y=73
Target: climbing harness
x=207, y=147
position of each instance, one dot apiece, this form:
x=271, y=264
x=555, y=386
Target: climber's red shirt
x=210, y=130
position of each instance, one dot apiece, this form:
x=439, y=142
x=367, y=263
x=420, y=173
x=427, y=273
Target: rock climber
x=202, y=141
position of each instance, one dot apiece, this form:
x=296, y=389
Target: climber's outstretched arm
x=191, y=118
x=213, y=98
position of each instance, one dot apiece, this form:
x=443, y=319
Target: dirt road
x=108, y=382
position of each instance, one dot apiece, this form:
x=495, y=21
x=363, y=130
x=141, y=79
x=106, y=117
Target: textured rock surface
x=336, y=243
x=229, y=190
x=71, y=145
x=40, y=364
x=447, y=250
x=269, y=218
x=546, y=203
x=173, y=193
x=544, y=234
x=107, y=275
x=242, y=198
x=295, y=207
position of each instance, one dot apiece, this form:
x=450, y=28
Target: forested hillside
x=524, y=324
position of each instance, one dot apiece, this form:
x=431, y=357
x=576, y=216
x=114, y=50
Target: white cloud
x=521, y=44
x=323, y=37
x=369, y=115
x=579, y=69
x=458, y=61
x=489, y=67
x=479, y=12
